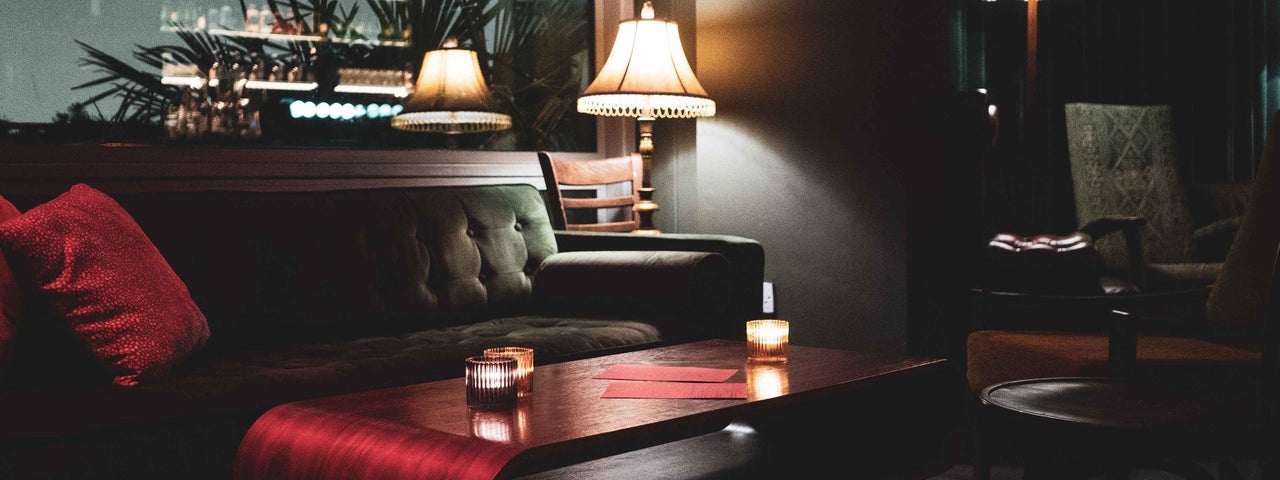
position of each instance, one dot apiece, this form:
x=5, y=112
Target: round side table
x=1075, y=427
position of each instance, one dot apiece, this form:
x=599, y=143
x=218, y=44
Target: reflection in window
x=320, y=73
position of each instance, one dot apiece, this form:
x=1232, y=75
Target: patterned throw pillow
x=96, y=268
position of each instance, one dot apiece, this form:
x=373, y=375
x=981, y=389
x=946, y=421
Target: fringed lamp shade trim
x=451, y=122
x=640, y=105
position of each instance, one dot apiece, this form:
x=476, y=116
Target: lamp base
x=645, y=209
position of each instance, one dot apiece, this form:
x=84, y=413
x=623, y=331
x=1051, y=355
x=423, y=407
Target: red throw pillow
x=10, y=297
x=97, y=269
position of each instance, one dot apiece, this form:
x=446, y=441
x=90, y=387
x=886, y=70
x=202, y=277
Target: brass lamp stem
x=646, y=207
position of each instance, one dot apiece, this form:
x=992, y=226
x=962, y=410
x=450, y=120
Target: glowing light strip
x=384, y=43
x=342, y=111
x=290, y=86
x=193, y=82
x=266, y=35
x=376, y=89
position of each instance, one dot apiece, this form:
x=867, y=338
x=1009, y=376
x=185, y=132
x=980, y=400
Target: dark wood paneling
x=44, y=169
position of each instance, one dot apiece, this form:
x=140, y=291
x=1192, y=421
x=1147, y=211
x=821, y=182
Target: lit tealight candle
x=524, y=365
x=491, y=382
x=767, y=340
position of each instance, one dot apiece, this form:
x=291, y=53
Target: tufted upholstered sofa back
x=284, y=267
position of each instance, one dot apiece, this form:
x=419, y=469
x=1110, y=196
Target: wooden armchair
x=615, y=181
x=1090, y=390
x=1072, y=335
x=1126, y=178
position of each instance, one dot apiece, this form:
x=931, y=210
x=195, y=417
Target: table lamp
x=646, y=76
x=450, y=96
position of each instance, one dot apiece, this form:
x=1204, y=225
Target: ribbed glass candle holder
x=491, y=382
x=767, y=340
x=524, y=370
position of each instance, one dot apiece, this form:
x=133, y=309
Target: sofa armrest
x=745, y=256
x=635, y=284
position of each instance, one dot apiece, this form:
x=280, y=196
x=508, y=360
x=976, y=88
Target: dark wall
x=829, y=147
x=1204, y=59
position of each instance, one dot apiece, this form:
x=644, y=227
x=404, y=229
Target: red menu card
x=626, y=389
x=660, y=373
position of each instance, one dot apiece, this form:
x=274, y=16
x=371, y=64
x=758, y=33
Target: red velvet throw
x=10, y=297
x=294, y=440
x=97, y=269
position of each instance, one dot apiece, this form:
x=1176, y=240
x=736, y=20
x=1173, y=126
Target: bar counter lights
x=767, y=340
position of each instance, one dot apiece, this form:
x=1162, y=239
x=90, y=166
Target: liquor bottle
x=251, y=18
x=264, y=19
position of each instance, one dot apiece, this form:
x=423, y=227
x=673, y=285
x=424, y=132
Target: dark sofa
x=324, y=292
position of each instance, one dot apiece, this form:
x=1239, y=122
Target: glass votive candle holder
x=524, y=366
x=767, y=340
x=491, y=382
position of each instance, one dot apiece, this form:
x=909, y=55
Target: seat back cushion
x=272, y=268
x=1123, y=162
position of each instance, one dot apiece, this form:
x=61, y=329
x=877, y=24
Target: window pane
x=290, y=73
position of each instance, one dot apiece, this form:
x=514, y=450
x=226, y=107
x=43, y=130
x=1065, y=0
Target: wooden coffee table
x=427, y=430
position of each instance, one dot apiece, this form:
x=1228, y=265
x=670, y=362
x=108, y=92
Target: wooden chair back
x=617, y=180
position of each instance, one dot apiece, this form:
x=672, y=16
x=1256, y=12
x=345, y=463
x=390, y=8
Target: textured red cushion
x=10, y=298
x=97, y=269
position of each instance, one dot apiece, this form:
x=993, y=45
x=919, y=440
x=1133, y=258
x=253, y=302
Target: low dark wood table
x=427, y=430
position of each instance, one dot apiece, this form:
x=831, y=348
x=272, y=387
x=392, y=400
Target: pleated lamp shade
x=647, y=75
x=450, y=96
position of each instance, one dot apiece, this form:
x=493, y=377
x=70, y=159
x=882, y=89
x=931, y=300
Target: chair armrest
x=1129, y=226
x=1126, y=325
x=745, y=256
x=1111, y=224
x=635, y=284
